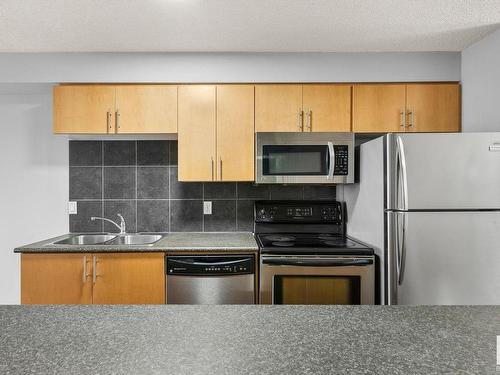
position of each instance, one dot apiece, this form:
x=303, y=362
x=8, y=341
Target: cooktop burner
x=282, y=244
x=279, y=238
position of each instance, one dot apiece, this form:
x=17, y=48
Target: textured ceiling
x=238, y=25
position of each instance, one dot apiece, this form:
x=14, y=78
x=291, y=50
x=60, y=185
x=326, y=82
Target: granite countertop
x=172, y=242
x=248, y=339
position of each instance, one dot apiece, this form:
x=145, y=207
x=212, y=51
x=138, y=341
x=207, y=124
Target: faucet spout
x=122, y=226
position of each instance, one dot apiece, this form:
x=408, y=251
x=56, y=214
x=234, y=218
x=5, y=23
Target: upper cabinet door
x=378, y=108
x=84, y=109
x=433, y=107
x=196, y=133
x=56, y=279
x=278, y=108
x=146, y=109
x=327, y=108
x=131, y=278
x=235, y=133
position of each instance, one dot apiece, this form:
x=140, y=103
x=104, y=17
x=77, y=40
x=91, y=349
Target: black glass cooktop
x=320, y=243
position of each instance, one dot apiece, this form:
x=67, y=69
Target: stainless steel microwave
x=304, y=158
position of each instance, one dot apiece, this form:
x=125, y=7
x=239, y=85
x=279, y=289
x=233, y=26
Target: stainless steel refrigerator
x=430, y=205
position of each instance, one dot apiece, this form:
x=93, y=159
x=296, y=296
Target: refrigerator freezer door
x=443, y=171
x=447, y=258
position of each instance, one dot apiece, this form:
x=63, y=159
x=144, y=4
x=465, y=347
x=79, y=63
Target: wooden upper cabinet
x=196, y=132
x=278, y=108
x=84, y=109
x=378, y=108
x=433, y=107
x=235, y=133
x=56, y=279
x=146, y=109
x=129, y=278
x=327, y=108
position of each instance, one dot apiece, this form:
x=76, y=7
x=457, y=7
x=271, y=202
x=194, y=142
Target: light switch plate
x=72, y=208
x=207, y=208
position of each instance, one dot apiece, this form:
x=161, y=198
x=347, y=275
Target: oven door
x=313, y=280
x=304, y=158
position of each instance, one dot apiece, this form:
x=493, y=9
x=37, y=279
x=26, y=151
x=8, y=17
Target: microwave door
x=296, y=163
x=312, y=158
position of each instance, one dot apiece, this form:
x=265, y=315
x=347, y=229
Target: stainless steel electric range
x=306, y=257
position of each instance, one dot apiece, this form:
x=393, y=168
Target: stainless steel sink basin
x=86, y=239
x=136, y=239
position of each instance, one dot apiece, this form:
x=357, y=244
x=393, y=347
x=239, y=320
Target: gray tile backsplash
x=138, y=179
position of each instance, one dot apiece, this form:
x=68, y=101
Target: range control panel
x=299, y=212
x=341, y=167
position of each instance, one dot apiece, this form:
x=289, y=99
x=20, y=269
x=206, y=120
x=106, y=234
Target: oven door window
x=316, y=290
x=295, y=160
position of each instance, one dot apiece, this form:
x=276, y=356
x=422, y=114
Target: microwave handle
x=331, y=160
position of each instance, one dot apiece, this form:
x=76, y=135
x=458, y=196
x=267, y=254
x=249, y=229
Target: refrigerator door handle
x=401, y=174
x=402, y=255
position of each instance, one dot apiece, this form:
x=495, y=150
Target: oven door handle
x=301, y=262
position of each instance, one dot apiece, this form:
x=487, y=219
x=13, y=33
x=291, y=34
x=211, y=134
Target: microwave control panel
x=341, y=167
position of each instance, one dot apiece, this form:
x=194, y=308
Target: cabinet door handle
x=410, y=112
x=108, y=121
x=309, y=120
x=85, y=275
x=94, y=269
x=212, y=160
x=117, y=120
x=220, y=168
x=300, y=116
x=403, y=119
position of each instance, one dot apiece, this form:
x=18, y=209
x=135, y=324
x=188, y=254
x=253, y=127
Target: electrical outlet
x=207, y=208
x=72, y=208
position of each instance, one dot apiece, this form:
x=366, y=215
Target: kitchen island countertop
x=249, y=339
x=172, y=242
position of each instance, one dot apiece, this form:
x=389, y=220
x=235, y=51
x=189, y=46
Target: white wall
x=34, y=178
x=230, y=67
x=481, y=85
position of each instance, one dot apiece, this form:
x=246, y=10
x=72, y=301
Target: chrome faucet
x=122, y=226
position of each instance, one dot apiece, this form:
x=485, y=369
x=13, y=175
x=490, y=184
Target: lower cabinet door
x=129, y=278
x=56, y=279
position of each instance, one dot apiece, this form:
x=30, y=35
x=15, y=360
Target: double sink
x=110, y=239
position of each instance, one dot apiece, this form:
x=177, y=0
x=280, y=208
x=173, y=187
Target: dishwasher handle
x=191, y=262
x=302, y=262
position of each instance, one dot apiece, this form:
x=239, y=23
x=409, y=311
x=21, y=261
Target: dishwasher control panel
x=210, y=265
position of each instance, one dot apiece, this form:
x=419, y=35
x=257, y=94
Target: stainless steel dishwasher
x=210, y=279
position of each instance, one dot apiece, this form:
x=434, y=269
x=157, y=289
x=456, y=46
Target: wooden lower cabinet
x=132, y=278
x=56, y=279
x=120, y=278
